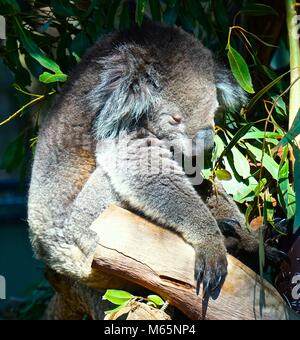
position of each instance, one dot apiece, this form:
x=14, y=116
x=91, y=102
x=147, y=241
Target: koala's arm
x=151, y=182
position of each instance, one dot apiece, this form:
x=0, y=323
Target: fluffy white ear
x=128, y=89
x=230, y=95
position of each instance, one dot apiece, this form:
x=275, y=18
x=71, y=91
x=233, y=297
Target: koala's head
x=164, y=78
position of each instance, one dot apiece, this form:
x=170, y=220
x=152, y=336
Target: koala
x=132, y=95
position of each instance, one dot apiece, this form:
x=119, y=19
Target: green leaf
x=47, y=77
x=219, y=148
x=297, y=188
x=268, y=208
x=156, y=299
x=140, y=11
x=267, y=161
x=286, y=196
x=241, y=133
x=240, y=69
x=260, y=186
x=280, y=106
x=241, y=191
x=241, y=163
x=248, y=213
x=293, y=132
x=223, y=175
x=261, y=135
x=256, y=9
x=76, y=56
x=263, y=91
x=117, y=297
x=31, y=47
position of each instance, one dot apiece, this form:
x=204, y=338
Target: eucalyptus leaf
x=140, y=11
x=286, y=195
x=264, y=90
x=292, y=133
x=240, y=69
x=297, y=188
x=268, y=208
x=242, y=191
x=267, y=161
x=117, y=297
x=31, y=47
x=241, y=163
x=261, y=135
x=240, y=134
x=47, y=77
x=157, y=300
x=223, y=175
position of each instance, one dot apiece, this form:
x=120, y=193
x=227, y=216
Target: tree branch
x=152, y=257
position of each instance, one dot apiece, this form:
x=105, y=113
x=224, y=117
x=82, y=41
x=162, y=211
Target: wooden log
x=141, y=252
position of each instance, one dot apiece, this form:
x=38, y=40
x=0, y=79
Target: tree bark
x=147, y=255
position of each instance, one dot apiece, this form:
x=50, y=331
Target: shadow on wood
x=143, y=253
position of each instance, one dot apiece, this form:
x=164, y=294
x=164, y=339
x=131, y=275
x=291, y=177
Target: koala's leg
x=239, y=241
x=75, y=302
x=60, y=308
x=230, y=220
x=221, y=205
x=69, y=249
x=153, y=183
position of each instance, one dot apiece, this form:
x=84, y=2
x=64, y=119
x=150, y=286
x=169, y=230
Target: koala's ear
x=230, y=95
x=128, y=89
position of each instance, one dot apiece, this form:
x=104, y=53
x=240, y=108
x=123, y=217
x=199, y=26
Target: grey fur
x=127, y=91
x=230, y=94
x=129, y=85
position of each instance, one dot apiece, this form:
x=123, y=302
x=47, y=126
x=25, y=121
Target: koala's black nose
x=206, y=136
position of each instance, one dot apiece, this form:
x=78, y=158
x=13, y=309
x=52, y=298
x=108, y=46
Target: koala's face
x=189, y=95
x=169, y=79
x=171, y=125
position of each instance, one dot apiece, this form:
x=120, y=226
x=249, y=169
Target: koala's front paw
x=210, y=268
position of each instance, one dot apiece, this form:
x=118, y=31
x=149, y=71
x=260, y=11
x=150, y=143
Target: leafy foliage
x=121, y=299
x=46, y=39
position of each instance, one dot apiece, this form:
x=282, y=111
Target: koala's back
x=65, y=154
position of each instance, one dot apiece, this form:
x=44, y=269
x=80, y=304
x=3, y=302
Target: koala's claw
x=211, y=273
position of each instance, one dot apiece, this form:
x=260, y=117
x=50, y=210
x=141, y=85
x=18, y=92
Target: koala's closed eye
x=176, y=119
